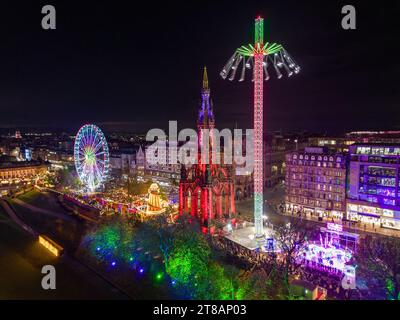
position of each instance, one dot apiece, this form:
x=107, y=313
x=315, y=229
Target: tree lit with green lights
x=191, y=266
x=177, y=256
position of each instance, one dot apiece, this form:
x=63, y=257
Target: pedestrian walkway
x=41, y=210
x=15, y=218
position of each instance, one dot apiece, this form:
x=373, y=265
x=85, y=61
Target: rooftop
x=19, y=164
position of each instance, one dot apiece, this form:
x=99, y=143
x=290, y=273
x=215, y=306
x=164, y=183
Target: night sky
x=131, y=68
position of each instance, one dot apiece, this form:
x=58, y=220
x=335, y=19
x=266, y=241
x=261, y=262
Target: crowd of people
x=332, y=282
x=251, y=258
x=326, y=278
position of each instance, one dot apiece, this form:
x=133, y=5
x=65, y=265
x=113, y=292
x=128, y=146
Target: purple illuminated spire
x=206, y=114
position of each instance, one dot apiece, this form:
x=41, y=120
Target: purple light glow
x=335, y=227
x=326, y=253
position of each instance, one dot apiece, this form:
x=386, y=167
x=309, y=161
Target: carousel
x=155, y=205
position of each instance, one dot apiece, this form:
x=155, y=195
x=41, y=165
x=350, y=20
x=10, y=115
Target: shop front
x=320, y=213
x=338, y=215
x=373, y=216
x=390, y=219
x=364, y=214
x=309, y=212
x=293, y=208
x=390, y=223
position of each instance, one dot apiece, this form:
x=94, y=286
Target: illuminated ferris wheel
x=91, y=156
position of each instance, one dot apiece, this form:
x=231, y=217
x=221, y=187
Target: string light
x=159, y=276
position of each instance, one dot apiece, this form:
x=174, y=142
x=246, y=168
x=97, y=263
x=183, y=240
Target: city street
x=22, y=259
x=275, y=196
x=272, y=197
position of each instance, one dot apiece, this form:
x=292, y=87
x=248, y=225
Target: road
x=60, y=225
x=245, y=208
x=22, y=259
x=41, y=210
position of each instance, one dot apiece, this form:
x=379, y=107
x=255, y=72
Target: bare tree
x=291, y=239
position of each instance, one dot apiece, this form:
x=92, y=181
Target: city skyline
x=121, y=177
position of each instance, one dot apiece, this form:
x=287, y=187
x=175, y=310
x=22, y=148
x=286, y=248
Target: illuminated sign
x=334, y=227
x=53, y=248
x=388, y=213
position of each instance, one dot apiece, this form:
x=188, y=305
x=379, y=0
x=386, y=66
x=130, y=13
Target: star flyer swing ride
x=260, y=57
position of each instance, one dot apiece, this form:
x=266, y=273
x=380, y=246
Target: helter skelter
x=260, y=57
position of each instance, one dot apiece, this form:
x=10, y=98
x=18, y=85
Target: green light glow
x=159, y=276
x=266, y=49
x=273, y=48
x=252, y=48
x=116, y=240
x=189, y=263
x=90, y=156
x=259, y=31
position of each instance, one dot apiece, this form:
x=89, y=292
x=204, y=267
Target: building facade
x=21, y=170
x=163, y=173
x=140, y=163
x=276, y=146
x=316, y=183
x=374, y=185
x=340, y=144
x=244, y=182
x=14, y=175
